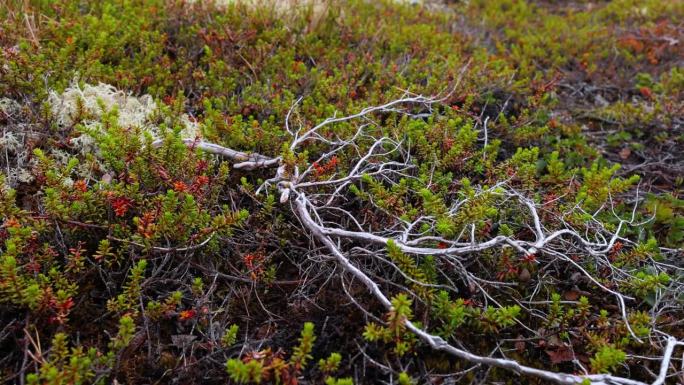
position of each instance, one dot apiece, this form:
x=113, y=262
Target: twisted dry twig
x=293, y=186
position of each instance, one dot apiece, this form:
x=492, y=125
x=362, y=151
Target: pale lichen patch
x=89, y=103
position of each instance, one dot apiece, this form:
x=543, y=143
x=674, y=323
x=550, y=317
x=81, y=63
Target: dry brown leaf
x=562, y=354
x=571, y=295
x=625, y=153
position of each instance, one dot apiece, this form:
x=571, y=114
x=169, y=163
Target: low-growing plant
x=183, y=181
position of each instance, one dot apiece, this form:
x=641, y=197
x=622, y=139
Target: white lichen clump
x=132, y=111
x=86, y=106
x=91, y=102
x=13, y=155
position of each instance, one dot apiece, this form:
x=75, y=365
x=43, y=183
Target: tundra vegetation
x=341, y=192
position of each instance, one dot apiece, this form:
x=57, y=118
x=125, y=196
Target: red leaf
x=121, y=206
x=646, y=92
x=187, y=314
x=180, y=186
